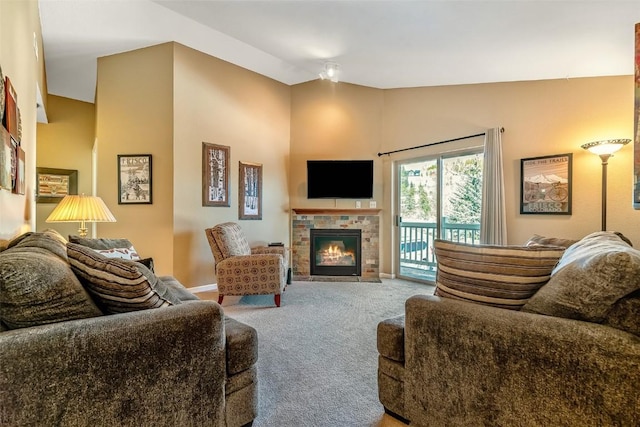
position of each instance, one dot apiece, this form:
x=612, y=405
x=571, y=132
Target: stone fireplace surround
x=367, y=220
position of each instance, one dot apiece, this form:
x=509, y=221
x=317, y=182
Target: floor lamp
x=82, y=209
x=605, y=149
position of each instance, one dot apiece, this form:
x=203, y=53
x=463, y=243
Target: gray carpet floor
x=317, y=357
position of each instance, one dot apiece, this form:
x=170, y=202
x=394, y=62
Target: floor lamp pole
x=605, y=158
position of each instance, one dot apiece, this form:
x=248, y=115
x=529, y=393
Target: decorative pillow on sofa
x=592, y=276
x=38, y=287
x=101, y=243
x=113, y=248
x=117, y=285
x=122, y=253
x=500, y=276
x=537, y=240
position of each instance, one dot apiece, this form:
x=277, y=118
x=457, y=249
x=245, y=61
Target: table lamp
x=82, y=209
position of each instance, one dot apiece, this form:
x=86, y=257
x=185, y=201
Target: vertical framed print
x=250, y=191
x=20, y=178
x=5, y=159
x=545, y=185
x=215, y=175
x=134, y=179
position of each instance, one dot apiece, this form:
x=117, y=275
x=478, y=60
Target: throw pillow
x=592, y=276
x=101, y=243
x=147, y=262
x=500, y=276
x=122, y=253
x=38, y=287
x=116, y=284
x=537, y=240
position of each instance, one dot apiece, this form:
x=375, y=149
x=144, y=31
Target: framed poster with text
x=545, y=185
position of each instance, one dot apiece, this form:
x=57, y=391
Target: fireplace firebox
x=335, y=252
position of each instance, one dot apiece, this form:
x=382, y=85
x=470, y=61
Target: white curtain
x=493, y=222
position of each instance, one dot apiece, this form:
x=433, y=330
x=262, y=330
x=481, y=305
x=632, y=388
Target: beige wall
x=19, y=21
x=334, y=121
x=134, y=115
x=65, y=142
x=165, y=101
x=220, y=103
x=540, y=118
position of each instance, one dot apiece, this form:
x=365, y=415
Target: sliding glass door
x=438, y=197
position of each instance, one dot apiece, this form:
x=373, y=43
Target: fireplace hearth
x=335, y=252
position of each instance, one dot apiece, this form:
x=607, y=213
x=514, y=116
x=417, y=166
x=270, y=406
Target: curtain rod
x=436, y=143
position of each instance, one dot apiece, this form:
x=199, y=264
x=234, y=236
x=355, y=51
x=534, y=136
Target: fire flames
x=334, y=255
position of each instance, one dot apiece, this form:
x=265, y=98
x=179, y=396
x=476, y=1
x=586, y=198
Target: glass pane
x=462, y=198
x=418, y=213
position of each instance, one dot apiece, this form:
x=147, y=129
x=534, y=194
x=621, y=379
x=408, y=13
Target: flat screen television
x=339, y=179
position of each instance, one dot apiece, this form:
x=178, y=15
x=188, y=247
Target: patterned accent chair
x=243, y=270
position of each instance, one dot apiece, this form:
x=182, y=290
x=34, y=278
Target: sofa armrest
x=161, y=367
x=469, y=364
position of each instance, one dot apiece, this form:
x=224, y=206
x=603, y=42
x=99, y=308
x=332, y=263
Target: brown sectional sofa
x=570, y=356
x=64, y=362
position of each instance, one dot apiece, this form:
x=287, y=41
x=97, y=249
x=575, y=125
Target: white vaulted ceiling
x=382, y=44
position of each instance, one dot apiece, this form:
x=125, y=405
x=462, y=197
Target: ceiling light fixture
x=330, y=71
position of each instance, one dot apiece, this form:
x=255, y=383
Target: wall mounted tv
x=339, y=179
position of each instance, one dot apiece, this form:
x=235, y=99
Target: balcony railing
x=416, y=245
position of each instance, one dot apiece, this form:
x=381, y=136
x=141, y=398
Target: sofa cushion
x=117, y=285
x=241, y=345
x=390, y=338
x=46, y=241
x=590, y=279
x=501, y=276
x=38, y=287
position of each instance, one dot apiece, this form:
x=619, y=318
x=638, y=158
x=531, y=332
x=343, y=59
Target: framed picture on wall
x=545, y=185
x=53, y=184
x=215, y=174
x=20, y=186
x=5, y=159
x=250, y=191
x=134, y=179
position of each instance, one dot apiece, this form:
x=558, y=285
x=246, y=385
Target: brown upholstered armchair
x=243, y=270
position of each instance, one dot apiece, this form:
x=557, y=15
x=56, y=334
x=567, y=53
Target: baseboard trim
x=204, y=288
x=387, y=276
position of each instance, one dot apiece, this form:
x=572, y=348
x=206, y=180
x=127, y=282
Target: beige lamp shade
x=606, y=147
x=82, y=209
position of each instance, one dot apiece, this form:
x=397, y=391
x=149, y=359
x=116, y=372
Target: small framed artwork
x=5, y=159
x=134, y=179
x=250, y=191
x=545, y=185
x=53, y=184
x=20, y=186
x=215, y=175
